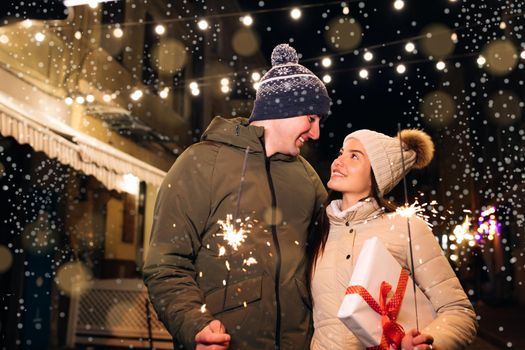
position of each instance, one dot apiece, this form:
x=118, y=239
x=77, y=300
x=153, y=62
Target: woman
x=369, y=165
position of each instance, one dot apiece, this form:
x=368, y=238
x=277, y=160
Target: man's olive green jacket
x=194, y=276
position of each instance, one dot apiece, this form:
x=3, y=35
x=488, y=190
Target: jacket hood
x=236, y=132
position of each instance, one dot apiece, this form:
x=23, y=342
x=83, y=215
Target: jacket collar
x=366, y=209
x=237, y=132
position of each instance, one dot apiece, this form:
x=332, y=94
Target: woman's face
x=351, y=171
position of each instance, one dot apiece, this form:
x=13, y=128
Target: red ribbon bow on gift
x=393, y=332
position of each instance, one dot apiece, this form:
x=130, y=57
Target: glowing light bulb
x=399, y=4
x=363, y=73
x=136, y=95
x=296, y=13
x=164, y=93
x=401, y=68
x=118, y=33
x=40, y=37
x=160, y=29
x=481, y=60
x=247, y=20
x=203, y=24
x=327, y=78
x=410, y=47
x=326, y=62
x=368, y=56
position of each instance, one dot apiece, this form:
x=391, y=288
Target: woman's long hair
x=318, y=235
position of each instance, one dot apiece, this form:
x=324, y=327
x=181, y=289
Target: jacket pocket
x=238, y=294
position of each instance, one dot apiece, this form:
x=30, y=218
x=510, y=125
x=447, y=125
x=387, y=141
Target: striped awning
x=82, y=152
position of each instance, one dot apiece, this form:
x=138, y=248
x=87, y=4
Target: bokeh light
x=501, y=57
x=245, y=42
x=6, y=258
x=169, y=56
x=438, y=109
x=74, y=278
x=437, y=41
x=343, y=33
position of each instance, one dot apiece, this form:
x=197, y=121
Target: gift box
x=378, y=306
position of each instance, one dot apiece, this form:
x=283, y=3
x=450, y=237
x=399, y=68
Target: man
x=208, y=294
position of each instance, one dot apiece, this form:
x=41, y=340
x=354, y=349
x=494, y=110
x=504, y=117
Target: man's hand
x=213, y=337
x=413, y=340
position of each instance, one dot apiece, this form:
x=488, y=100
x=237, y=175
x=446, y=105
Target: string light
x=296, y=13
x=256, y=86
x=401, y=68
x=80, y=100
x=78, y=35
x=136, y=95
x=327, y=78
x=90, y=98
x=256, y=76
x=440, y=65
x=346, y=10
x=326, y=62
x=203, y=24
x=410, y=47
x=4, y=39
x=368, y=56
x=195, y=91
x=164, y=93
x=27, y=23
x=106, y=98
x=454, y=38
x=40, y=37
x=193, y=85
x=225, y=85
x=68, y=101
x=522, y=54
x=363, y=73
x=247, y=20
x=481, y=60
x=118, y=33
x=93, y=4
x=399, y=4
x=160, y=29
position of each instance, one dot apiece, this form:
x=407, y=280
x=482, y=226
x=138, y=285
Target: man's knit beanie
x=384, y=153
x=289, y=89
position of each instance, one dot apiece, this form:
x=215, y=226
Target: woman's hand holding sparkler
x=213, y=337
x=413, y=340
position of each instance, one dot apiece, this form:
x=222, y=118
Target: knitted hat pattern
x=384, y=154
x=289, y=89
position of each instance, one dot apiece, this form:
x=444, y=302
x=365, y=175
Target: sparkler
x=233, y=237
x=413, y=210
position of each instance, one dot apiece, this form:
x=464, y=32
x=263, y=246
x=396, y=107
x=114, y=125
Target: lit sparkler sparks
x=415, y=209
x=233, y=235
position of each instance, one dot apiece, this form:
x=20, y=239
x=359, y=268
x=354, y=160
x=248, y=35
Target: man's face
x=292, y=133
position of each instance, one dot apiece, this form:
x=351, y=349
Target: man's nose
x=315, y=131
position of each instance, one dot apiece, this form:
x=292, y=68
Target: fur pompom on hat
x=384, y=153
x=289, y=89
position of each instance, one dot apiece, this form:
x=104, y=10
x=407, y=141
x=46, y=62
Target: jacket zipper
x=277, y=258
